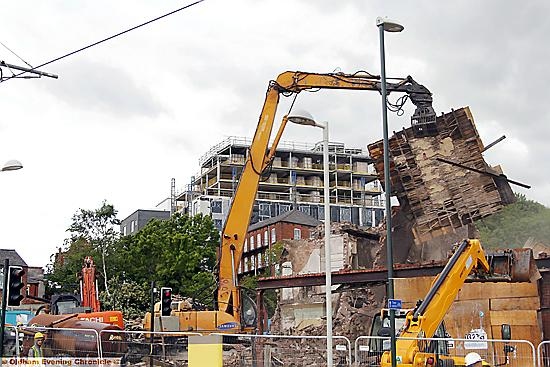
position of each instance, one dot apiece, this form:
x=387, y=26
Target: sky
x=127, y=116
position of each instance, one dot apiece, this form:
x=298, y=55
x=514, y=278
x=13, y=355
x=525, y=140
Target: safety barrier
x=247, y=350
x=543, y=354
x=137, y=346
x=284, y=350
x=11, y=341
x=369, y=350
x=61, y=342
x=510, y=353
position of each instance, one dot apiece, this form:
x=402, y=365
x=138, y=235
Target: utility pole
x=24, y=70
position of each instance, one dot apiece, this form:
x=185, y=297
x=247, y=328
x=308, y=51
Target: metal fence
x=283, y=350
x=369, y=350
x=145, y=346
x=543, y=354
x=510, y=353
x=60, y=342
x=243, y=350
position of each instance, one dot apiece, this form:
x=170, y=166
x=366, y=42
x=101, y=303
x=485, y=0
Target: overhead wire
x=16, y=55
x=105, y=39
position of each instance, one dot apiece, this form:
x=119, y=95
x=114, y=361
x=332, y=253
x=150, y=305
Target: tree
x=515, y=224
x=65, y=265
x=97, y=227
x=179, y=253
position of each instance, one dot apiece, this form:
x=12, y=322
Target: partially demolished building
x=439, y=186
x=443, y=185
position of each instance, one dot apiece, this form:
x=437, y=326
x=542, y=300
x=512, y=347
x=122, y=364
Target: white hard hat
x=472, y=358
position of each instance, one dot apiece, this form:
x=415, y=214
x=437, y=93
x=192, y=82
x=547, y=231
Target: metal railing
x=247, y=350
x=285, y=350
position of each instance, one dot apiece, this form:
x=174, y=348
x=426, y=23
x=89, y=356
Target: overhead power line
x=103, y=40
x=19, y=57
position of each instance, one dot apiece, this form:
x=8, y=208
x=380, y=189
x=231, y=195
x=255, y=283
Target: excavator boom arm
x=234, y=232
x=468, y=256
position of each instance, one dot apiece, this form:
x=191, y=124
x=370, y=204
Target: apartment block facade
x=294, y=181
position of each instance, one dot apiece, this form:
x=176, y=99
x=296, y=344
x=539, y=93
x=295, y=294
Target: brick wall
x=283, y=231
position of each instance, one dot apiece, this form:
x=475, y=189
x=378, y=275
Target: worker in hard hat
x=36, y=350
x=473, y=359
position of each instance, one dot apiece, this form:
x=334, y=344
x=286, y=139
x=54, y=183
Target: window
x=132, y=226
x=258, y=240
x=273, y=235
x=218, y=224
x=251, y=242
x=345, y=214
x=124, y=231
x=297, y=233
x=265, y=209
x=304, y=209
x=246, y=261
x=259, y=261
x=216, y=206
x=266, y=237
x=246, y=245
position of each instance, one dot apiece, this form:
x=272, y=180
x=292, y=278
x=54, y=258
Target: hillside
x=515, y=224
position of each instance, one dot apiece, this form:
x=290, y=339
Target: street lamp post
x=386, y=25
x=12, y=165
x=305, y=118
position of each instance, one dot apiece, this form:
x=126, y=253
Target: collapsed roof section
x=440, y=197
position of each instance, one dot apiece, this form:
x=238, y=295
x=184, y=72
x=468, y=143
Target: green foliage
x=515, y=224
x=127, y=296
x=270, y=296
x=66, y=264
x=274, y=255
x=97, y=227
x=179, y=252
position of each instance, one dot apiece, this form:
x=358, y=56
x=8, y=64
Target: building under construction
x=294, y=181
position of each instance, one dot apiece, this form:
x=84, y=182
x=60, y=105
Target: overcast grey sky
x=128, y=115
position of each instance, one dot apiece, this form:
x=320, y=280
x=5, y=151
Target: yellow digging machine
x=229, y=314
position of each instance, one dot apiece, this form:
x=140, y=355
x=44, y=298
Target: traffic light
x=165, y=301
x=15, y=284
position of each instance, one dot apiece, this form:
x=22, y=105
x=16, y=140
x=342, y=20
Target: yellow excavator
x=230, y=316
x=425, y=321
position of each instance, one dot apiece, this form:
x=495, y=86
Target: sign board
x=476, y=339
x=395, y=304
x=341, y=347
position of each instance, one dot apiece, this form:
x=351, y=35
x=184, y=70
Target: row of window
x=133, y=227
x=254, y=242
x=255, y=262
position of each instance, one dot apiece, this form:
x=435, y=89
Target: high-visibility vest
x=36, y=352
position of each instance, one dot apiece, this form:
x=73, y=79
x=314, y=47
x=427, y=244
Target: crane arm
x=468, y=257
x=424, y=320
x=259, y=157
x=88, y=286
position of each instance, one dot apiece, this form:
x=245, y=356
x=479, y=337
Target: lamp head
x=389, y=25
x=302, y=117
x=12, y=165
